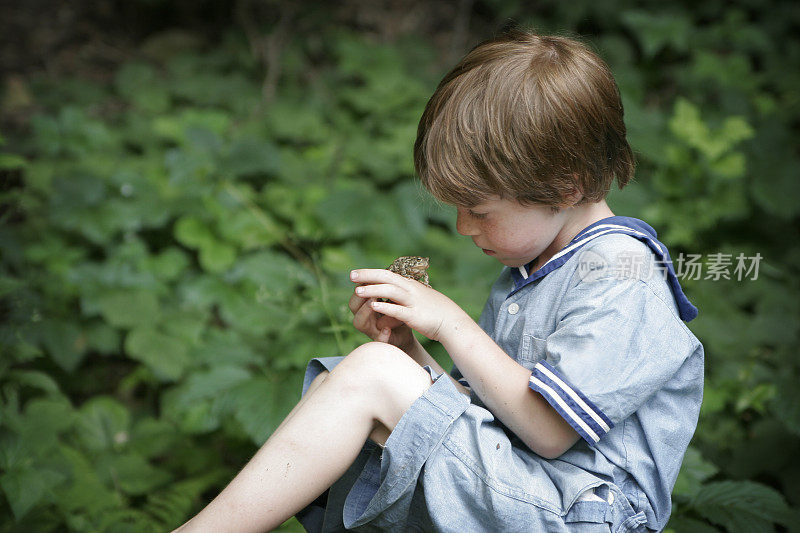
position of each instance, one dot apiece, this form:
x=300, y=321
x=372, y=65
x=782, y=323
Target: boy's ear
x=575, y=196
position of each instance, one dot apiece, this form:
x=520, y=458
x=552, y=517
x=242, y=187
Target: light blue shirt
x=601, y=328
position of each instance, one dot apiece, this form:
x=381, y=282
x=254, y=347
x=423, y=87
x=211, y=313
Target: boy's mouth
x=487, y=252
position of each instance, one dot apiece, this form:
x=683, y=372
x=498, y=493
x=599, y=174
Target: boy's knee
x=385, y=368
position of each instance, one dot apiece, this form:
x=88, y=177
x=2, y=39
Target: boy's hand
x=379, y=327
x=422, y=308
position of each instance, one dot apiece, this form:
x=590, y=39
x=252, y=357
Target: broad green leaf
x=655, y=31
x=210, y=383
x=151, y=437
x=249, y=155
x=35, y=379
x=64, y=341
x=25, y=488
x=216, y=256
x=192, y=232
x=133, y=474
x=12, y=161
x=260, y=404
x=694, y=471
x=742, y=506
x=166, y=356
x=139, y=83
x=84, y=491
x=103, y=423
x=169, y=264
x=129, y=308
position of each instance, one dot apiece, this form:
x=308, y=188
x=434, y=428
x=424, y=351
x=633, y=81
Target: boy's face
x=510, y=232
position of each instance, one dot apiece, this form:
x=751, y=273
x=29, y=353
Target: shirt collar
x=634, y=227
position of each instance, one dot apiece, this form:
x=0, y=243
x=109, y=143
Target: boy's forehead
x=490, y=201
x=495, y=203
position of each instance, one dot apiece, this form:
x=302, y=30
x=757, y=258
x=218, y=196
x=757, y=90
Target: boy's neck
x=575, y=220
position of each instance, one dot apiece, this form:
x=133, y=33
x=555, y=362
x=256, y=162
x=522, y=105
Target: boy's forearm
x=419, y=354
x=502, y=384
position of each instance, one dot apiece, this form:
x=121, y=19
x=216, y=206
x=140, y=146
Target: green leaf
x=129, y=308
x=24, y=489
x=694, y=471
x=139, y=83
x=103, y=424
x=275, y=274
x=742, y=506
x=169, y=264
x=192, y=232
x=151, y=437
x=166, y=356
x=12, y=161
x=210, y=383
x=683, y=524
x=133, y=474
x=35, y=379
x=260, y=404
x=655, y=31
x=216, y=256
x=85, y=492
x=248, y=155
x=64, y=341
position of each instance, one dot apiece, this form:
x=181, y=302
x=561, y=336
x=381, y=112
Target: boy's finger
x=384, y=290
x=392, y=310
x=384, y=335
x=377, y=275
x=387, y=322
x=362, y=316
x=356, y=302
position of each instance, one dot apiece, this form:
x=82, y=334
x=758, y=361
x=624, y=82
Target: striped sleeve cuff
x=584, y=416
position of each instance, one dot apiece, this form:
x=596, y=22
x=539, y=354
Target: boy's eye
x=477, y=215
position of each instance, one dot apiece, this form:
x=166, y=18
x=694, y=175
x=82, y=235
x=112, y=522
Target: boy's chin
x=513, y=263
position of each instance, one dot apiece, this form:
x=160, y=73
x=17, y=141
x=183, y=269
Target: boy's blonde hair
x=526, y=117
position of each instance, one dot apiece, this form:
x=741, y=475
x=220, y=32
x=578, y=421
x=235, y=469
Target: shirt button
x=513, y=309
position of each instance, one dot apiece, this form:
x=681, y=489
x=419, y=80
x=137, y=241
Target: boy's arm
x=502, y=384
x=498, y=380
x=418, y=353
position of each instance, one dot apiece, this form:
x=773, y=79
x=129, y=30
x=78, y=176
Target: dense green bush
x=175, y=246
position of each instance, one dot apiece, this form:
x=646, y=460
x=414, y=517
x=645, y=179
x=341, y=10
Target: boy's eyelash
x=477, y=215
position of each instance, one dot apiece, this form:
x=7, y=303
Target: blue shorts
x=448, y=465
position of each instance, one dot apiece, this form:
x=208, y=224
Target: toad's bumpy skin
x=412, y=267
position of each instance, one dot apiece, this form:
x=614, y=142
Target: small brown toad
x=411, y=267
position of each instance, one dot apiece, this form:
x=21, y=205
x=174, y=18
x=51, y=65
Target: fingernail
x=353, y=274
x=359, y=290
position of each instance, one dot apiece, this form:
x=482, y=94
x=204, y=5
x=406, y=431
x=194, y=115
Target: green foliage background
x=175, y=242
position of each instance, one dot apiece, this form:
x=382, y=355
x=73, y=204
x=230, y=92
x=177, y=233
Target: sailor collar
x=634, y=227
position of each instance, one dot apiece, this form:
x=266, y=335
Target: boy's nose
x=464, y=223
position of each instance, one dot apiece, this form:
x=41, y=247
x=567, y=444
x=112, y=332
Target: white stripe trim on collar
x=523, y=272
x=618, y=226
x=592, y=236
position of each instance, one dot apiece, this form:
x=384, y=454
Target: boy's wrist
x=412, y=347
x=461, y=330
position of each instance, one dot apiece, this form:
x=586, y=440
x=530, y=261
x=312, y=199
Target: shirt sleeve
x=616, y=344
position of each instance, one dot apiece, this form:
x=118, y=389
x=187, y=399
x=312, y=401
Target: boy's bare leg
x=315, y=383
x=363, y=397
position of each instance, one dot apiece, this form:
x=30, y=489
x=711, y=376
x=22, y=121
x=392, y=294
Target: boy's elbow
x=554, y=447
x=554, y=451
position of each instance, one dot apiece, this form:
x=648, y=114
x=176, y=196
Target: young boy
x=574, y=397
